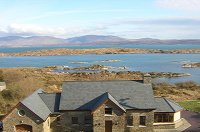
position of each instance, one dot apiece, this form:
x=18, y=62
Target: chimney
x=146, y=78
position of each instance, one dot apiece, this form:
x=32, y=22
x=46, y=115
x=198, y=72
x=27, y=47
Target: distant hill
x=14, y=41
x=95, y=39
x=34, y=41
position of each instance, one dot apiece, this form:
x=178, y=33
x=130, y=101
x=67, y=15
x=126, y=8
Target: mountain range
x=35, y=41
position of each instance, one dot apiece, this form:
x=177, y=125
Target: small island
x=191, y=65
x=65, y=51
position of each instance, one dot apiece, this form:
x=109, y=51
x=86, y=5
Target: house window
x=58, y=118
x=21, y=113
x=88, y=120
x=143, y=120
x=74, y=120
x=108, y=111
x=163, y=117
x=130, y=121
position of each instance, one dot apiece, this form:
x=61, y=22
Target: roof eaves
x=32, y=111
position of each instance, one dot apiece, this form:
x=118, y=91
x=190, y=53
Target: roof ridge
x=49, y=93
x=31, y=94
x=173, y=102
x=28, y=102
x=103, y=81
x=169, y=104
x=117, y=102
x=136, y=81
x=43, y=101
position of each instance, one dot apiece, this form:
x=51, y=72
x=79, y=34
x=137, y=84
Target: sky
x=162, y=19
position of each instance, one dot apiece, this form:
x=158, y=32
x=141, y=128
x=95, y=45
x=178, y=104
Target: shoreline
x=66, y=51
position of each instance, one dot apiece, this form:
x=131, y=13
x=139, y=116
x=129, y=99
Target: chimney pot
x=146, y=78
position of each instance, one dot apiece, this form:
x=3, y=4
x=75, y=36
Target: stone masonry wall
x=46, y=125
x=29, y=118
x=117, y=118
x=55, y=124
x=66, y=121
x=136, y=120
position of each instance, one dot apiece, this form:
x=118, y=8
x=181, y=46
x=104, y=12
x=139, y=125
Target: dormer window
x=108, y=111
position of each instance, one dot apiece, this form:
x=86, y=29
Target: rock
x=54, y=67
x=191, y=65
x=168, y=74
x=108, y=61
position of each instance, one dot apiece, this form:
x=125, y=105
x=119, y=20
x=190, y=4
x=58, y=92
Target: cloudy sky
x=164, y=19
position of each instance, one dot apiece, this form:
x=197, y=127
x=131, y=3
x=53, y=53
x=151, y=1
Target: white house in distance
x=2, y=86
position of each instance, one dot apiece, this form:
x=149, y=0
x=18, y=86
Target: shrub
x=11, y=94
x=1, y=75
x=187, y=85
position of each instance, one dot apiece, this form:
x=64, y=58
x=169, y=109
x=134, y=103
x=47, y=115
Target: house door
x=108, y=126
x=23, y=128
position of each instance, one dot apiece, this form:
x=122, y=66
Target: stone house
x=94, y=106
x=2, y=86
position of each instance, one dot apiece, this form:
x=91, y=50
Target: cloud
x=177, y=28
x=156, y=22
x=182, y=5
x=62, y=13
x=128, y=27
x=36, y=30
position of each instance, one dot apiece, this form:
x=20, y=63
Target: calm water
x=134, y=62
x=143, y=46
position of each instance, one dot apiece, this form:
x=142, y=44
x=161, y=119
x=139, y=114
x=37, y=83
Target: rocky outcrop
x=191, y=65
x=65, y=51
x=168, y=74
x=110, y=70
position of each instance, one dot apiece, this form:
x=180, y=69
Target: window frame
x=74, y=120
x=142, y=121
x=163, y=117
x=21, y=112
x=129, y=120
x=87, y=120
x=108, y=111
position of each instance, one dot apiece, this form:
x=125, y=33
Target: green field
x=192, y=105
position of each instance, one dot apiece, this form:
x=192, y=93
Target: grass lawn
x=192, y=105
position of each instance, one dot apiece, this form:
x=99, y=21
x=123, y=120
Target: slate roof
x=128, y=94
x=52, y=101
x=36, y=104
x=166, y=105
x=93, y=104
x=88, y=95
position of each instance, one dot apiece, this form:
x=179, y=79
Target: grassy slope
x=192, y=105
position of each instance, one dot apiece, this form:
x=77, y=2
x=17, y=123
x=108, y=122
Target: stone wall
x=46, y=125
x=149, y=114
x=172, y=125
x=66, y=121
x=13, y=119
x=117, y=118
x=164, y=126
x=55, y=123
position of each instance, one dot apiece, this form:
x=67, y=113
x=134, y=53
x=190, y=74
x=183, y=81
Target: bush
x=7, y=94
x=11, y=94
x=187, y=85
x=1, y=76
